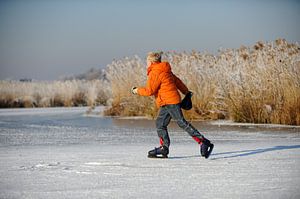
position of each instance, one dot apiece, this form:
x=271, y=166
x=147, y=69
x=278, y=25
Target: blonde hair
x=154, y=56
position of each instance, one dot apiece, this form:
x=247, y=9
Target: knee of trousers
x=182, y=123
x=188, y=128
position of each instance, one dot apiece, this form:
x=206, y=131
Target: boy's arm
x=152, y=86
x=180, y=85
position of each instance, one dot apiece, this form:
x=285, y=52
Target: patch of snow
x=134, y=118
x=231, y=123
x=41, y=111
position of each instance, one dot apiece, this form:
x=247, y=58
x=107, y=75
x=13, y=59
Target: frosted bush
x=267, y=77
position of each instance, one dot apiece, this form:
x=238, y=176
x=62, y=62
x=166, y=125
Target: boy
x=164, y=85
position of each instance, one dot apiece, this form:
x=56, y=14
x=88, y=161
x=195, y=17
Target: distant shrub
x=55, y=93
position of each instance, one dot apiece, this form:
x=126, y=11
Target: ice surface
x=61, y=153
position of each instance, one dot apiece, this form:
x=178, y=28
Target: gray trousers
x=166, y=113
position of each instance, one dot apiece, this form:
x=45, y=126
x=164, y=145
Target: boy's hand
x=134, y=90
x=190, y=93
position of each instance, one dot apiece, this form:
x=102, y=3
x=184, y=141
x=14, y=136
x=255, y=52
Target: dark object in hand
x=186, y=103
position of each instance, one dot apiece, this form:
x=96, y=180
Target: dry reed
x=257, y=85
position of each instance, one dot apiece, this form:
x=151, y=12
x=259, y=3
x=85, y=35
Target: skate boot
x=206, y=148
x=160, y=152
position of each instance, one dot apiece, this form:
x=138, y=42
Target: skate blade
x=209, y=151
x=158, y=157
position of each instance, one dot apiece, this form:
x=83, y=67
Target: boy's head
x=154, y=57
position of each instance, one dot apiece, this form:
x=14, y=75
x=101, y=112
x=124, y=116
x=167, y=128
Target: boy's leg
x=162, y=122
x=176, y=114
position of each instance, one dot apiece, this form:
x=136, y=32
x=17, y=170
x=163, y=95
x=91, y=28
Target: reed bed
x=259, y=84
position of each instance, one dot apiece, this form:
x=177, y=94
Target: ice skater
x=164, y=85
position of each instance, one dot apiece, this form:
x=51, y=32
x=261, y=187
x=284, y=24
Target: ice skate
x=160, y=152
x=206, y=148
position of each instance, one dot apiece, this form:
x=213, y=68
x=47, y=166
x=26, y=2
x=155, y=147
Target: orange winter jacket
x=163, y=84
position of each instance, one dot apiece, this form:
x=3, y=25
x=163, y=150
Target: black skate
x=206, y=148
x=160, y=152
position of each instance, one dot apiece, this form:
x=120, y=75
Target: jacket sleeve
x=180, y=85
x=152, y=86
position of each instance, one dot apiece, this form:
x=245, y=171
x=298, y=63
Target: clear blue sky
x=47, y=39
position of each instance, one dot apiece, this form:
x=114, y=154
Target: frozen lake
x=62, y=153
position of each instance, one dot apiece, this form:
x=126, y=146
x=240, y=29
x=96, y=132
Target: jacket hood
x=161, y=67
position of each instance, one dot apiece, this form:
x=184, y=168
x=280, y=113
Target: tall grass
x=264, y=83
x=56, y=93
x=259, y=84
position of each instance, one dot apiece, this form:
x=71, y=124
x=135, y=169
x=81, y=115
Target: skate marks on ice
x=250, y=152
x=40, y=166
x=75, y=167
x=53, y=166
x=86, y=168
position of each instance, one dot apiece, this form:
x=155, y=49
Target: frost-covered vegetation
x=259, y=84
x=123, y=74
x=56, y=93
